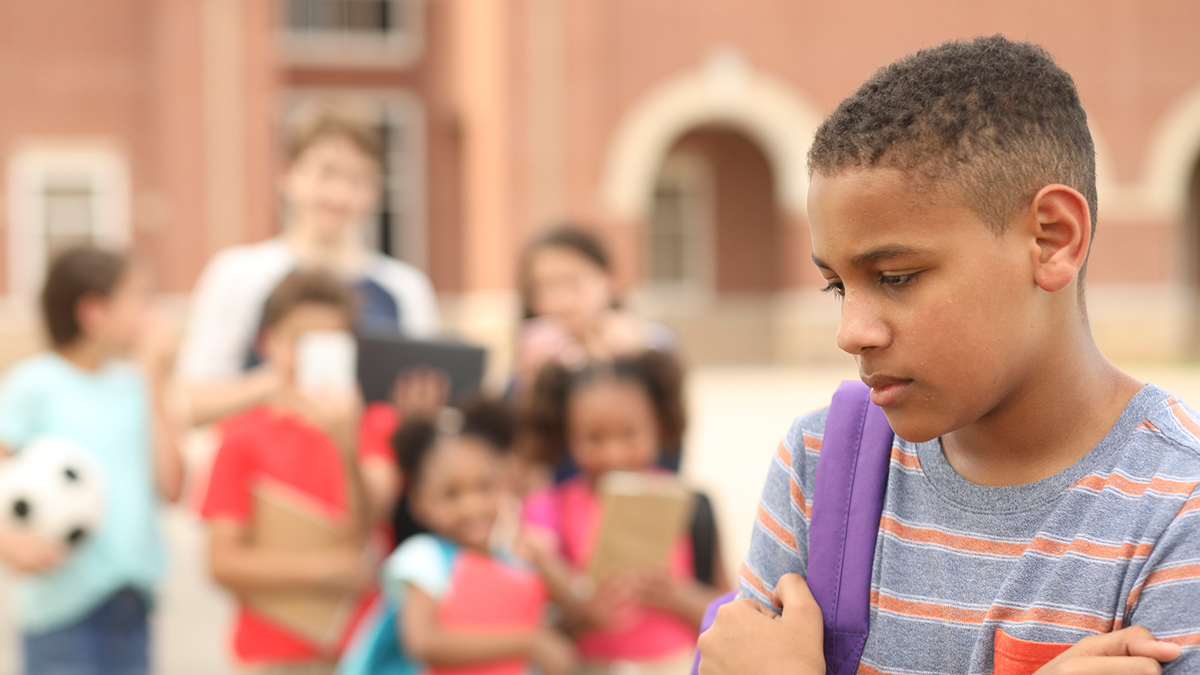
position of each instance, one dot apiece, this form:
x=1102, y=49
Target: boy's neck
x=86, y=354
x=336, y=254
x=1069, y=401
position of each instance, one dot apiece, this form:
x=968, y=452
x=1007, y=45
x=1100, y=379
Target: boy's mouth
x=886, y=390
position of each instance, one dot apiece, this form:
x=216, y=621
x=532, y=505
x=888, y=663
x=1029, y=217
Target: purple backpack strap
x=851, y=477
x=847, y=503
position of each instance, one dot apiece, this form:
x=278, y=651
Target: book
x=287, y=520
x=643, y=516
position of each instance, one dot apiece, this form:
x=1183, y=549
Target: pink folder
x=488, y=596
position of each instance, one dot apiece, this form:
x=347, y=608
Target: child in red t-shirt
x=289, y=505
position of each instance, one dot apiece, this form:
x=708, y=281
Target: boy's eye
x=897, y=279
x=834, y=287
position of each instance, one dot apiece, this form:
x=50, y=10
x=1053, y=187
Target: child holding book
x=617, y=416
x=301, y=455
x=84, y=611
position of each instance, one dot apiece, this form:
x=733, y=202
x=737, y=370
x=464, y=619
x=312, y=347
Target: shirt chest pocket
x=1014, y=656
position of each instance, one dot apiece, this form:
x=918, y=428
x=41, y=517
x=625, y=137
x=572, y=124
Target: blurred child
x=617, y=417
x=572, y=309
x=455, y=603
x=84, y=611
x=304, y=451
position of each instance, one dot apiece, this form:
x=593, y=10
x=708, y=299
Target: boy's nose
x=860, y=327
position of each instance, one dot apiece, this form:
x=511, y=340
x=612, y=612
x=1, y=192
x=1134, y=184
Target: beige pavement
x=738, y=416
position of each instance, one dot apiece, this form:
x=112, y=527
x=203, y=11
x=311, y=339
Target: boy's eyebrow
x=875, y=255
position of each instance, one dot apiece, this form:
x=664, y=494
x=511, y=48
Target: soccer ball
x=54, y=487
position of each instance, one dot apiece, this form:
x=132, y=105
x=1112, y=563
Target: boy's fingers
x=1131, y=641
x=792, y=593
x=1112, y=665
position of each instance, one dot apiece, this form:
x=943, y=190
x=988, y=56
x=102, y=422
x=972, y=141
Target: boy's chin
x=914, y=427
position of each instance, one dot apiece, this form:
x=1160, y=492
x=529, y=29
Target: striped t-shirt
x=973, y=579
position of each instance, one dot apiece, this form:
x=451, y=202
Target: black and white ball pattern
x=54, y=488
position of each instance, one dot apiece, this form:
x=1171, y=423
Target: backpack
x=850, y=482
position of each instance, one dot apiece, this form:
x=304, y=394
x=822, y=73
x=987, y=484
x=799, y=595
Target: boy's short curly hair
x=996, y=119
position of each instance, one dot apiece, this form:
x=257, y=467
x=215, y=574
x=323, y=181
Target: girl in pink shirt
x=616, y=416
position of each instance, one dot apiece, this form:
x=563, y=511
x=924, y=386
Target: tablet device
x=382, y=358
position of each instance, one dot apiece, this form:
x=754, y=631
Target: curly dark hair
x=544, y=419
x=996, y=119
x=490, y=420
x=487, y=419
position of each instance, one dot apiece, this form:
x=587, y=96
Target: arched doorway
x=710, y=245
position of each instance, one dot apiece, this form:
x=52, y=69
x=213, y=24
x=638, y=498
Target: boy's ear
x=88, y=310
x=1062, y=231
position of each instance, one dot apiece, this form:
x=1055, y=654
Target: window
x=400, y=228
x=58, y=198
x=387, y=33
x=678, y=236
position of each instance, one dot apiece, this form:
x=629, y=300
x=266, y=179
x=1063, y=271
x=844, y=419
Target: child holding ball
x=84, y=611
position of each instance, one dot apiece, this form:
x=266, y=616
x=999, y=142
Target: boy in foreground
x=1042, y=511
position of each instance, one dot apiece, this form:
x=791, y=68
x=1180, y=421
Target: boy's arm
x=237, y=564
x=156, y=355
x=427, y=641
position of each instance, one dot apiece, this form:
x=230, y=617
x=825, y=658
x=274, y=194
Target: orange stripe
x=784, y=454
x=812, y=443
x=1125, y=551
x=752, y=579
x=1147, y=424
x=1190, y=505
x=923, y=535
x=1190, y=640
x=776, y=529
x=905, y=460
x=1162, y=576
x=1136, y=488
x=927, y=610
x=1057, y=617
x=864, y=669
x=958, y=542
x=1184, y=418
x=799, y=500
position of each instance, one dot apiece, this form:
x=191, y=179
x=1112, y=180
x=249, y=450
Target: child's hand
x=552, y=653
x=605, y=599
x=27, y=553
x=336, y=413
x=1129, y=651
x=656, y=588
x=420, y=392
x=348, y=569
x=749, y=638
x=156, y=347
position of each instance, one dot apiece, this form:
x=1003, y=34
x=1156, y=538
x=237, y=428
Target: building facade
x=677, y=128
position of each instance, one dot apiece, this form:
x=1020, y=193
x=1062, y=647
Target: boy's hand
x=747, y=638
x=156, y=347
x=1129, y=651
x=552, y=653
x=27, y=553
x=338, y=414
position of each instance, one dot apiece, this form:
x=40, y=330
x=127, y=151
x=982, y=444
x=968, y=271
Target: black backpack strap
x=704, y=539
